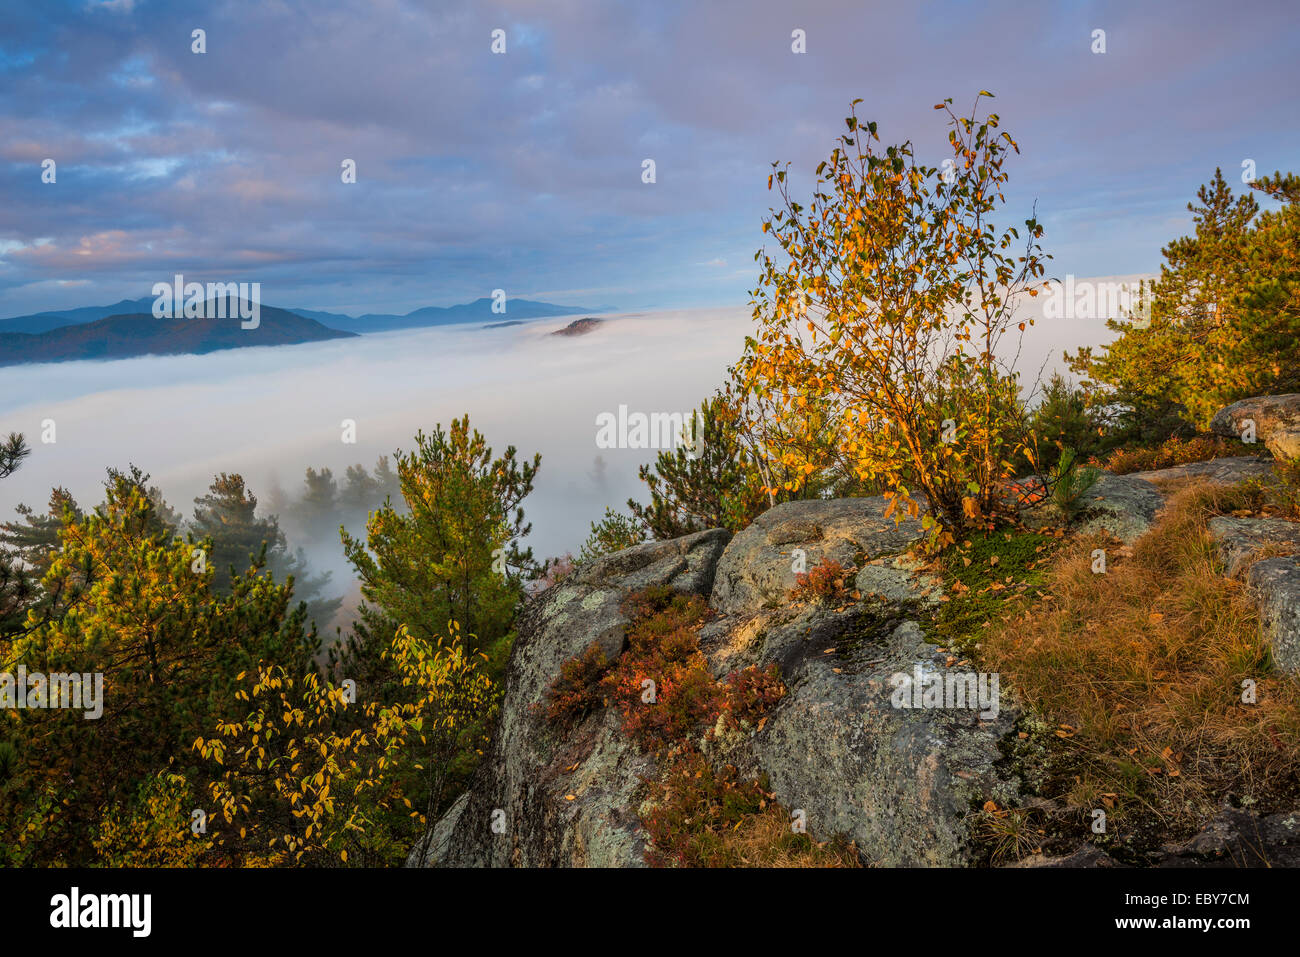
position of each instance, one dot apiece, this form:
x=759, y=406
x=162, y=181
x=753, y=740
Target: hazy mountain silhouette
x=140, y=334
x=45, y=321
x=478, y=311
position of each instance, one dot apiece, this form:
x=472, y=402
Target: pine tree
x=613, y=533
x=318, y=508
x=730, y=471
x=701, y=484
x=142, y=614
x=455, y=553
x=359, y=491
x=241, y=538
x=227, y=515
x=1223, y=322
x=16, y=586
x=12, y=452
x=27, y=547
x=386, y=481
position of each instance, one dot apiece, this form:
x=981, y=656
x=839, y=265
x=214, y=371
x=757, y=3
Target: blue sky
x=522, y=171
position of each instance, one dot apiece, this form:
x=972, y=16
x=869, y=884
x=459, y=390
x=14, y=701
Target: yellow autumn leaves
x=894, y=295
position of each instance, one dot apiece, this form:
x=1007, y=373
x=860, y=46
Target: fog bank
x=269, y=413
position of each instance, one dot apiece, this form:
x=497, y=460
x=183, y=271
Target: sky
x=522, y=170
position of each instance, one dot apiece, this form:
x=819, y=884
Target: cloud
x=522, y=170
x=269, y=413
x=115, y=6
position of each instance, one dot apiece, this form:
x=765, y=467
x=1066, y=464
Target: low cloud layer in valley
x=269, y=413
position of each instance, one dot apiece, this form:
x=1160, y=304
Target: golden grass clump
x=1141, y=669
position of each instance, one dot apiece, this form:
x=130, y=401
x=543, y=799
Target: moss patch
x=988, y=578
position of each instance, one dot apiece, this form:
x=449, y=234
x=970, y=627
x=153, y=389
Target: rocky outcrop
x=1086, y=855
x=758, y=569
x=898, y=582
x=524, y=808
x=1238, y=539
x=1239, y=838
x=1273, y=419
x=1275, y=585
x=1228, y=470
x=1233, y=838
x=901, y=782
x=897, y=771
x=1123, y=505
x=1273, y=580
x=882, y=737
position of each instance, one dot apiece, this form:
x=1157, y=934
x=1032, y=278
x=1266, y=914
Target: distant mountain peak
x=480, y=310
x=133, y=334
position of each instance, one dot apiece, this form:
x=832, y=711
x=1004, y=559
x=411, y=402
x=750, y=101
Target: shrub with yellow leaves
x=309, y=776
x=155, y=829
x=888, y=301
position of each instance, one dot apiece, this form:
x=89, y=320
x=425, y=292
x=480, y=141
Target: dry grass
x=764, y=840
x=1200, y=448
x=1140, y=670
x=1010, y=833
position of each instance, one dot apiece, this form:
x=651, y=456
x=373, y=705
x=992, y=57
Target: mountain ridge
x=479, y=309
x=132, y=335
